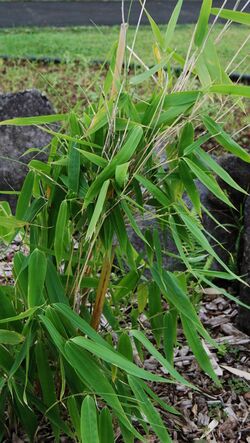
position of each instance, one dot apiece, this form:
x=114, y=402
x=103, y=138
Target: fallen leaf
x=239, y=372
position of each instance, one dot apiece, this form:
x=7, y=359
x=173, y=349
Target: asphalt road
x=45, y=13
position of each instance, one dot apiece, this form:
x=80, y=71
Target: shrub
x=65, y=353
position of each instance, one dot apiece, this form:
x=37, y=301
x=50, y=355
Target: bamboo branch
x=102, y=290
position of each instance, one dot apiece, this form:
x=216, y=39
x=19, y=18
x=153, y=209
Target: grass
x=76, y=80
x=93, y=43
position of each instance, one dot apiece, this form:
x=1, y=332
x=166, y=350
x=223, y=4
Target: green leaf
x=159, y=357
x=10, y=337
x=89, y=428
x=98, y=210
x=229, y=89
x=140, y=78
x=61, y=224
x=47, y=384
x=154, y=190
x=197, y=233
x=202, y=24
x=26, y=314
x=106, y=432
x=126, y=285
x=114, y=358
x=156, y=31
x=209, y=182
x=79, y=323
x=74, y=168
x=235, y=16
x=172, y=24
x=38, y=120
x=93, y=158
x=170, y=334
x=90, y=373
x=74, y=415
x=197, y=348
x=225, y=140
x=54, y=285
x=191, y=148
x=11, y=222
x=36, y=278
x=174, y=294
x=148, y=410
x=190, y=186
x=121, y=174
x=124, y=346
x=142, y=297
x=25, y=196
x=186, y=138
x=123, y=156
x=132, y=221
x=217, y=169
x=155, y=312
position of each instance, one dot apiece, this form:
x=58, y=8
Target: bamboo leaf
x=25, y=196
x=229, y=89
x=93, y=158
x=154, y=190
x=225, y=140
x=74, y=168
x=172, y=24
x=98, y=210
x=202, y=24
x=208, y=181
x=61, y=223
x=235, y=16
x=36, y=278
x=122, y=157
x=47, y=384
x=37, y=120
x=140, y=78
x=106, y=432
x=215, y=167
x=89, y=429
x=121, y=174
x=10, y=337
x=26, y=314
x=124, y=346
x=197, y=348
x=91, y=374
x=114, y=358
x=156, y=31
x=151, y=414
x=190, y=186
x=159, y=357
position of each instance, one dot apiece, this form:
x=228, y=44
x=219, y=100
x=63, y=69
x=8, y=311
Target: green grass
x=92, y=43
x=73, y=83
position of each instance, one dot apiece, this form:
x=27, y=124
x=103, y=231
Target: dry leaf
x=239, y=372
x=212, y=425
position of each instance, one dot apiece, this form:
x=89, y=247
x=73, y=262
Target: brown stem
x=102, y=289
x=119, y=58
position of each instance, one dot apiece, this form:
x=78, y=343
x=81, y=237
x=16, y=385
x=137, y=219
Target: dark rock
x=230, y=250
x=15, y=140
x=244, y=313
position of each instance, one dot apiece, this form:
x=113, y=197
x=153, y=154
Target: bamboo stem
x=102, y=290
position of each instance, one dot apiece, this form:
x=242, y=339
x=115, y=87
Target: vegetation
x=71, y=328
x=86, y=43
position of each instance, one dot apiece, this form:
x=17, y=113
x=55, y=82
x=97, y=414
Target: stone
x=16, y=140
x=244, y=313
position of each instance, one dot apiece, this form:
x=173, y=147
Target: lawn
x=93, y=43
x=73, y=81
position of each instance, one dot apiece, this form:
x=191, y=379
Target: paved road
x=47, y=13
